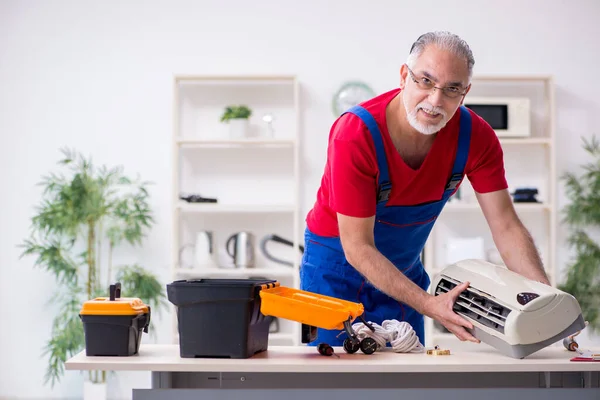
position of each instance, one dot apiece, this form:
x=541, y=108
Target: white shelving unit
x=255, y=179
x=529, y=162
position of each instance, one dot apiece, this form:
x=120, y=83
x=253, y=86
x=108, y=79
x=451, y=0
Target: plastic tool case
x=113, y=325
x=220, y=318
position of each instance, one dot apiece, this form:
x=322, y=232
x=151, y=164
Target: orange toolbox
x=113, y=325
x=314, y=311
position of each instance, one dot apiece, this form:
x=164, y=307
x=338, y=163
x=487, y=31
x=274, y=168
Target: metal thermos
x=240, y=247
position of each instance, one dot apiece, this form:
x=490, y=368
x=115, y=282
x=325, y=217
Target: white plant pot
x=238, y=128
x=94, y=391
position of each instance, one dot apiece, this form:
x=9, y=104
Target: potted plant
x=82, y=217
x=583, y=217
x=237, y=117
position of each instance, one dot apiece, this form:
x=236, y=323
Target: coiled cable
x=400, y=334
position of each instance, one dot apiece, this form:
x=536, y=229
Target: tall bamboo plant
x=583, y=216
x=85, y=213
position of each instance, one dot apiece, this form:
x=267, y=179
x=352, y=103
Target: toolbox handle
x=115, y=291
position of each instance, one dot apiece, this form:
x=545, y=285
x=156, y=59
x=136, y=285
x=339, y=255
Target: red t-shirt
x=349, y=182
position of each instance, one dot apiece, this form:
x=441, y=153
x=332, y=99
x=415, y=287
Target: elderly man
x=392, y=163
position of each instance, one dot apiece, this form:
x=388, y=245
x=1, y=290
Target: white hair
x=446, y=41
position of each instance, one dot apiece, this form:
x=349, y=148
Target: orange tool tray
x=308, y=308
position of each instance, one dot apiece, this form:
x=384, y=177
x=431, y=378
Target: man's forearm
x=378, y=270
x=517, y=248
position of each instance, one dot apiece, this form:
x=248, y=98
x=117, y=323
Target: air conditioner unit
x=514, y=314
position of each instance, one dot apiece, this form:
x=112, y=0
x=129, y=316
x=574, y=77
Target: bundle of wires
x=399, y=334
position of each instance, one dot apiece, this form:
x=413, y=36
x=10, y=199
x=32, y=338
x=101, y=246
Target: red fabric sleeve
x=486, y=172
x=353, y=170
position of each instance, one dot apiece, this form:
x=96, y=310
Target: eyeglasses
x=425, y=83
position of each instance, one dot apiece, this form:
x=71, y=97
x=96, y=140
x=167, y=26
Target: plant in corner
x=583, y=216
x=83, y=216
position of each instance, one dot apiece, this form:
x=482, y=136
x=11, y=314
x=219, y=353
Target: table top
x=298, y=359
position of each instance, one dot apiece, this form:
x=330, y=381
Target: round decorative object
x=349, y=95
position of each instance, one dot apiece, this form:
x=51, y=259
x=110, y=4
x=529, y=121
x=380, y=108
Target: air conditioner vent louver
x=476, y=306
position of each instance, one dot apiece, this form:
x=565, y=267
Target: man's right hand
x=440, y=308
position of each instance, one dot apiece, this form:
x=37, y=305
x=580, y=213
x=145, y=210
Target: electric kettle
x=204, y=250
x=240, y=247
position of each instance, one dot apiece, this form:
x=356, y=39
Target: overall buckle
x=454, y=181
x=383, y=192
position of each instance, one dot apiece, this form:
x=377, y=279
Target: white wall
x=96, y=76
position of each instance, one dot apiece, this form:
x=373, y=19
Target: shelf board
x=219, y=80
x=226, y=143
x=234, y=272
x=518, y=207
x=215, y=208
x=526, y=141
x=505, y=78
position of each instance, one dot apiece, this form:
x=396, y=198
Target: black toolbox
x=113, y=325
x=220, y=318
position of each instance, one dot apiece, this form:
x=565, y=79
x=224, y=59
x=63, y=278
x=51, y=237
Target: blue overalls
x=400, y=235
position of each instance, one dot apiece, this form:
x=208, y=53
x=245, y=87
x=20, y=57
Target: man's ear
x=403, y=75
x=464, y=95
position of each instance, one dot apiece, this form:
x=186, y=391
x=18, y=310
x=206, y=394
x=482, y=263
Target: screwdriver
x=326, y=350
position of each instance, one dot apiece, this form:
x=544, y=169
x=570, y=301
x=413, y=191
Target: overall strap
x=462, y=152
x=384, y=186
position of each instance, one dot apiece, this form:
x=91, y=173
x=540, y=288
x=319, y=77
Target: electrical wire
x=400, y=334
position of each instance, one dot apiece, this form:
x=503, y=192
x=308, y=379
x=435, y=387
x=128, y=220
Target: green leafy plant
x=83, y=216
x=236, y=112
x=583, y=216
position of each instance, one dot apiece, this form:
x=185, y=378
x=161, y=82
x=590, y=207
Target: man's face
x=442, y=80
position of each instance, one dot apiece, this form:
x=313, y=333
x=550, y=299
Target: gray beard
x=411, y=115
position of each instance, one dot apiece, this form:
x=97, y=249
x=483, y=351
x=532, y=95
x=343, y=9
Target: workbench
x=301, y=367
